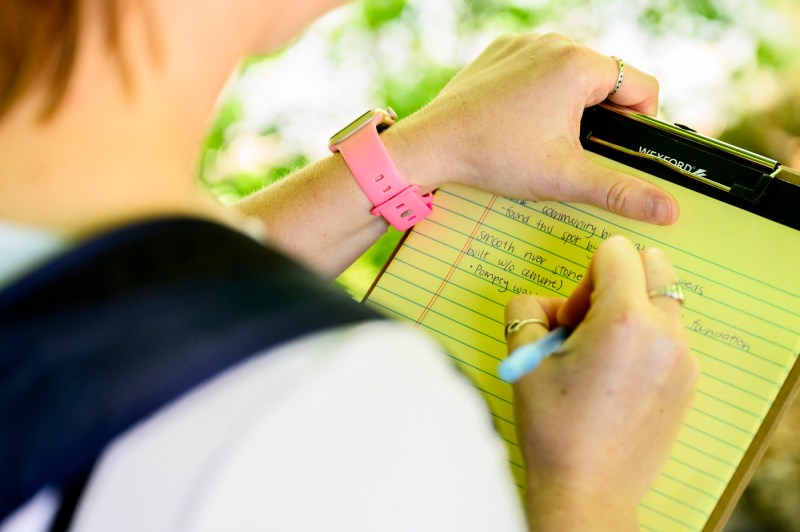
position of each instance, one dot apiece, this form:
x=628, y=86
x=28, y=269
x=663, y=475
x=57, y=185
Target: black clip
x=665, y=149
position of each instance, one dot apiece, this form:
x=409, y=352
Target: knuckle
x=502, y=45
x=555, y=36
x=504, y=38
x=522, y=41
x=629, y=323
x=619, y=196
x=563, y=49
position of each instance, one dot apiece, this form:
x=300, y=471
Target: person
x=359, y=425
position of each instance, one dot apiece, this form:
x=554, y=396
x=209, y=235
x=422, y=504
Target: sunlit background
x=727, y=68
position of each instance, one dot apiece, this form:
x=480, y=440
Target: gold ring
x=672, y=291
x=515, y=325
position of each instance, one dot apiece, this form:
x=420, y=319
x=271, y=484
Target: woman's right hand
x=597, y=420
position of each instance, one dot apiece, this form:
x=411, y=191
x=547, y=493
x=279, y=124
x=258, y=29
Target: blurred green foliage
x=379, y=12
x=366, y=25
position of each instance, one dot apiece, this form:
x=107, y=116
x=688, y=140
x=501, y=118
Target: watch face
x=387, y=118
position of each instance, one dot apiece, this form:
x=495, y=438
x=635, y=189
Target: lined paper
x=456, y=270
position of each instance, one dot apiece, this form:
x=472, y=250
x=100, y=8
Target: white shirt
x=364, y=427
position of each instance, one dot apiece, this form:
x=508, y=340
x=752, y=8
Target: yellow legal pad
x=455, y=271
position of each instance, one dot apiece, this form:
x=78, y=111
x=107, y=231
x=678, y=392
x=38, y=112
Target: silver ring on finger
x=672, y=291
x=620, y=76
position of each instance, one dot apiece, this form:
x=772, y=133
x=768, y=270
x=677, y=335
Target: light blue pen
x=527, y=358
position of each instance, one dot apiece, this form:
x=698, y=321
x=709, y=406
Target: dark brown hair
x=39, y=42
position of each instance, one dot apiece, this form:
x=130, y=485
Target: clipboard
x=724, y=172
x=451, y=275
x=683, y=156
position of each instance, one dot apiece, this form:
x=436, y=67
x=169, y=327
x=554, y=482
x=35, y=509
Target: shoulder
x=331, y=431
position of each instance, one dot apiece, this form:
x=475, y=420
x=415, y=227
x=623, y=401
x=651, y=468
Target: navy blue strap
x=105, y=335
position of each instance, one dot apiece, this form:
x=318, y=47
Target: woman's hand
x=509, y=123
x=597, y=420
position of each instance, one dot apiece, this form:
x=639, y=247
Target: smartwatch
x=392, y=197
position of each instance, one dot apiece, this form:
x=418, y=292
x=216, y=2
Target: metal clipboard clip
x=688, y=158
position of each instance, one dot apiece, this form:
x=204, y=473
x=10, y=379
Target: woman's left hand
x=509, y=123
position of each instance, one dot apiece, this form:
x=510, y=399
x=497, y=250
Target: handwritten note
x=457, y=269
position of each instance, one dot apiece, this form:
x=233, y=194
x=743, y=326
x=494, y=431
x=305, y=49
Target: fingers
x=618, y=273
x=587, y=182
x=615, y=278
x=614, y=191
x=531, y=307
x=573, y=311
x=618, y=192
x=659, y=274
x=639, y=90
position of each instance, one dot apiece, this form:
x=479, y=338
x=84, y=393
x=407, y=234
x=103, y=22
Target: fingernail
x=657, y=210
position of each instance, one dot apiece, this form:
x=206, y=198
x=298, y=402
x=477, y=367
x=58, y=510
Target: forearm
x=317, y=216
x=320, y=216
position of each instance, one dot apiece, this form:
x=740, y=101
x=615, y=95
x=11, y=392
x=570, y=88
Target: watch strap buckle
x=405, y=208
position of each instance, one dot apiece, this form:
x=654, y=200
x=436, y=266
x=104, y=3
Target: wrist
x=420, y=154
x=364, y=150
x=553, y=507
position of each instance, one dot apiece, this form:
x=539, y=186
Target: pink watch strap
x=400, y=203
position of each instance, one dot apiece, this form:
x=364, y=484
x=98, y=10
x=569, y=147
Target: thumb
x=619, y=192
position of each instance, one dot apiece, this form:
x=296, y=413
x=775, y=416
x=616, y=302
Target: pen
x=526, y=358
